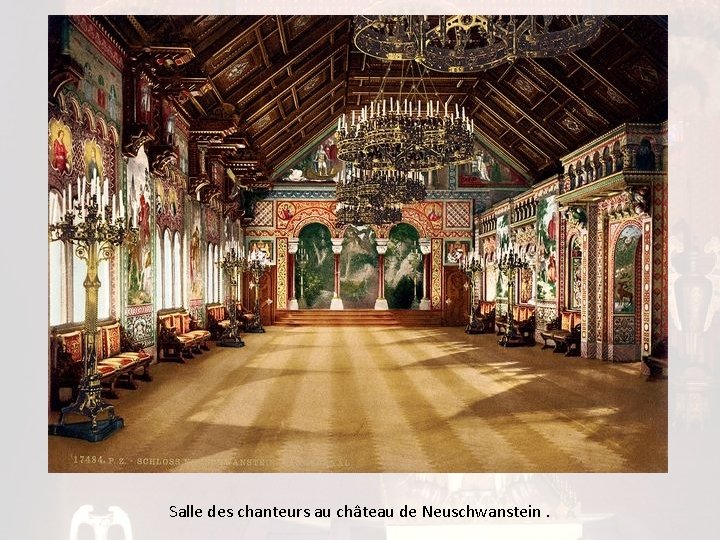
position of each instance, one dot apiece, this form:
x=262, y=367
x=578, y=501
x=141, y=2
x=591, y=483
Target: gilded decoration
x=436, y=285
x=282, y=273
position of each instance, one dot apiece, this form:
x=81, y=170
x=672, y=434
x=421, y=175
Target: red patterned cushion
x=185, y=323
x=105, y=369
x=111, y=341
x=567, y=320
x=73, y=343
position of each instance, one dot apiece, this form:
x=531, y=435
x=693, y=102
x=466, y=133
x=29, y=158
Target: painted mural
x=624, y=293
x=101, y=85
x=139, y=263
x=60, y=146
x=547, y=230
x=487, y=169
x=503, y=243
x=195, y=250
x=266, y=246
x=315, y=270
x=575, y=275
x=403, y=268
x=320, y=164
x=93, y=159
x=358, y=268
x=455, y=250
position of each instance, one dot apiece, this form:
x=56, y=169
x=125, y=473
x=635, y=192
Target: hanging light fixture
x=468, y=43
x=376, y=197
x=411, y=132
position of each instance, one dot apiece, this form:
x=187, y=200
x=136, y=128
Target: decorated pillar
x=425, y=250
x=336, y=302
x=381, y=246
x=293, y=244
x=590, y=285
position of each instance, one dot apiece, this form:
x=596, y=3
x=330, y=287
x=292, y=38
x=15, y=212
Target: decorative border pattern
x=282, y=273
x=458, y=215
x=436, y=283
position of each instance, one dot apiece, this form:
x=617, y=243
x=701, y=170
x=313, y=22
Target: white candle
x=456, y=110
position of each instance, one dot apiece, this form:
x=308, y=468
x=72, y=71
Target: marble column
x=381, y=246
x=336, y=302
x=293, y=244
x=425, y=250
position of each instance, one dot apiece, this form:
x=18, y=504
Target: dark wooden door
x=455, y=302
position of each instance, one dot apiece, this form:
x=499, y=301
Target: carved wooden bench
x=179, y=335
x=218, y=319
x=119, y=359
x=484, y=318
x=564, y=333
x=524, y=322
x=657, y=361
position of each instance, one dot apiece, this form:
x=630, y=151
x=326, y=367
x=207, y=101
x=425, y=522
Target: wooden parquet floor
x=345, y=399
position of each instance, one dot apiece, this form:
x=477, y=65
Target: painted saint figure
x=60, y=153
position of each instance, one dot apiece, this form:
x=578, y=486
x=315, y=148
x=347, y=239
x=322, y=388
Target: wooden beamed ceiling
x=288, y=78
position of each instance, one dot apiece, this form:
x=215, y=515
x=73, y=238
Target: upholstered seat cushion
x=118, y=361
x=198, y=334
x=105, y=369
x=111, y=340
x=73, y=343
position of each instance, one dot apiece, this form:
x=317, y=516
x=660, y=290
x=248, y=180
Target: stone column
x=381, y=246
x=425, y=250
x=336, y=302
x=293, y=244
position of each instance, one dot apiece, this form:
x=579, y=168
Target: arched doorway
x=315, y=270
x=403, y=268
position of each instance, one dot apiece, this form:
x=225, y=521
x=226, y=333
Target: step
x=358, y=317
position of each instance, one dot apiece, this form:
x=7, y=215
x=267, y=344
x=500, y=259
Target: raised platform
x=358, y=317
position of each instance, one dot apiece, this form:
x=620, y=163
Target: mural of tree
x=315, y=275
x=547, y=230
x=404, y=240
x=358, y=268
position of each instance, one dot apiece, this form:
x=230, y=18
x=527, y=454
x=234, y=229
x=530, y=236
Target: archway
x=403, y=268
x=315, y=274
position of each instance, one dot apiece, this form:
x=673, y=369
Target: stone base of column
x=293, y=304
x=381, y=303
x=336, y=303
x=425, y=304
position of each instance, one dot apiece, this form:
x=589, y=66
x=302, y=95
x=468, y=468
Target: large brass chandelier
x=468, y=43
x=376, y=197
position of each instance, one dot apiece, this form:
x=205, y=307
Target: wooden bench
x=119, y=359
x=657, y=361
x=523, y=322
x=179, y=335
x=484, y=318
x=564, y=332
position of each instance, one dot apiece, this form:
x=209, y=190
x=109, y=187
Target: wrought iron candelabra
x=414, y=257
x=472, y=266
x=509, y=264
x=233, y=264
x=95, y=225
x=257, y=265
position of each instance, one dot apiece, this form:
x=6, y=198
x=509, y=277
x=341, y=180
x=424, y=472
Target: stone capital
x=381, y=245
x=337, y=245
x=293, y=244
x=425, y=246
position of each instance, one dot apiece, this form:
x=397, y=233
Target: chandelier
x=376, y=197
x=408, y=133
x=467, y=43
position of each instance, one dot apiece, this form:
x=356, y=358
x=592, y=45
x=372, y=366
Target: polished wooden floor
x=349, y=399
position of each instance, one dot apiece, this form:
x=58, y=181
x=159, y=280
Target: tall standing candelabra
x=472, y=266
x=95, y=225
x=233, y=265
x=414, y=258
x=302, y=262
x=257, y=265
x=509, y=264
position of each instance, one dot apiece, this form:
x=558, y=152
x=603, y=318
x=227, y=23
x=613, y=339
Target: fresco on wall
x=525, y=285
x=93, y=158
x=60, y=146
x=624, y=272
x=315, y=270
x=575, y=275
x=403, y=268
x=266, y=246
x=547, y=230
x=320, y=164
x=139, y=263
x=358, y=268
x=455, y=251
x=491, y=282
x=195, y=251
x=101, y=85
x=487, y=169
x=181, y=144
x=503, y=246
